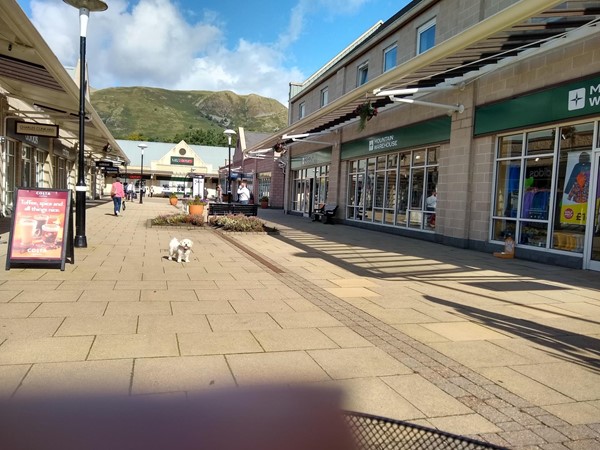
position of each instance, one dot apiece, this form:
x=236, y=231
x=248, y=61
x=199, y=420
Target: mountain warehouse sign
x=179, y=161
x=419, y=134
x=567, y=101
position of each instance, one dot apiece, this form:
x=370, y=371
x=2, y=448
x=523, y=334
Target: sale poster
x=40, y=226
x=576, y=189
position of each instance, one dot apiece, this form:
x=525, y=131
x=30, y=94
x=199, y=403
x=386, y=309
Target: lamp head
x=90, y=5
x=229, y=133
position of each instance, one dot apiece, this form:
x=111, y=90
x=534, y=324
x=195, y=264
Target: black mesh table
x=379, y=433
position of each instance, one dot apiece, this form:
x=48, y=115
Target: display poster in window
x=42, y=230
x=576, y=190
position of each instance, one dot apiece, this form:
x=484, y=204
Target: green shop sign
x=420, y=134
x=179, y=161
x=563, y=102
x=311, y=159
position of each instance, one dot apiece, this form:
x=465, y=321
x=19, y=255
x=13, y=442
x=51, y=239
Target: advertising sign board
x=42, y=230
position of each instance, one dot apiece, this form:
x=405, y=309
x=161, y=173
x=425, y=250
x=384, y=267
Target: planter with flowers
x=196, y=206
x=173, y=199
x=366, y=111
x=264, y=202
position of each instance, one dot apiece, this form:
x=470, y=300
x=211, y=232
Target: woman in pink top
x=117, y=193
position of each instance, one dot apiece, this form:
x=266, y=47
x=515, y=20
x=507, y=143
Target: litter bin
x=379, y=433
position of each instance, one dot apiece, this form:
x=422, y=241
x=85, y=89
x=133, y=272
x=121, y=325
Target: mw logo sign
x=582, y=97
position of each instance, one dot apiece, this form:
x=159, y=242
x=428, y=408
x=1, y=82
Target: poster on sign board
x=42, y=230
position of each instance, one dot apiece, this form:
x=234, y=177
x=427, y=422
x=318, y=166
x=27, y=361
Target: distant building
x=170, y=167
x=262, y=169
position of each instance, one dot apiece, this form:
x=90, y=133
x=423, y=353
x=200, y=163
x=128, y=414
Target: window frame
x=362, y=68
x=324, y=96
x=422, y=30
x=302, y=110
x=386, y=51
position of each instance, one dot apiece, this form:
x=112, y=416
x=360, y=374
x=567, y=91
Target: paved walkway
x=506, y=351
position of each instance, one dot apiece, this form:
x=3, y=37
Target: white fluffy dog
x=180, y=249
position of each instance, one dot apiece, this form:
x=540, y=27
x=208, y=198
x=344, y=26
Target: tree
x=210, y=136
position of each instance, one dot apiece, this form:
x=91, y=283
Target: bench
x=224, y=209
x=325, y=213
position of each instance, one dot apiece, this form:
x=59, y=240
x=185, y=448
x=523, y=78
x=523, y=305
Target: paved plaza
x=507, y=351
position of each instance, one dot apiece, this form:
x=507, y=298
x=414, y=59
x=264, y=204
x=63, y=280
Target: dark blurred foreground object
x=373, y=432
x=273, y=418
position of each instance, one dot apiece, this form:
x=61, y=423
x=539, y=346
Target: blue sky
x=243, y=46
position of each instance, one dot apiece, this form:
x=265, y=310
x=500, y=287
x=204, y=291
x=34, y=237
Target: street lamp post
x=142, y=147
x=229, y=134
x=85, y=7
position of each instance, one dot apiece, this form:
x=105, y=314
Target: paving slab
x=93, y=326
x=218, y=343
x=293, y=339
x=201, y=307
x=248, y=321
x=294, y=366
x=138, y=308
x=72, y=309
x=358, y=362
x=29, y=327
x=134, y=346
x=16, y=310
x=84, y=377
x=305, y=319
x=182, y=374
x=44, y=349
x=182, y=323
x=48, y=296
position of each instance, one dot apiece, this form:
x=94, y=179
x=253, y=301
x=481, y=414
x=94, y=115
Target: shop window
x=511, y=146
x=26, y=166
x=389, y=57
x=40, y=160
x=425, y=36
x=542, y=187
x=11, y=178
x=573, y=187
x=390, y=189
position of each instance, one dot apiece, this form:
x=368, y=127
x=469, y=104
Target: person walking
x=219, y=194
x=130, y=190
x=117, y=193
x=243, y=194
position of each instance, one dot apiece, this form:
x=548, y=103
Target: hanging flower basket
x=366, y=111
x=279, y=147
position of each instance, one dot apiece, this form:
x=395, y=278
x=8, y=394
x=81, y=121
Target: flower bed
x=179, y=219
x=239, y=223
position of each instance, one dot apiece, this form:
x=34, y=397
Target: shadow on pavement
x=570, y=347
x=368, y=253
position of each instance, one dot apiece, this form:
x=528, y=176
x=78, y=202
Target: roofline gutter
x=508, y=17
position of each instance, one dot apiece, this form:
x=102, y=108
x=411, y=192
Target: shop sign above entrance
x=104, y=164
x=311, y=159
x=567, y=101
x=419, y=134
x=178, y=160
x=36, y=129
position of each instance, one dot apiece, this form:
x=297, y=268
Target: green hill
x=160, y=114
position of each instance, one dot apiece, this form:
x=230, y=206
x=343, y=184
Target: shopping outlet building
x=39, y=117
x=487, y=126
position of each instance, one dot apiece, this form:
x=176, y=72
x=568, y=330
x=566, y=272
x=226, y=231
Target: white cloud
x=151, y=43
